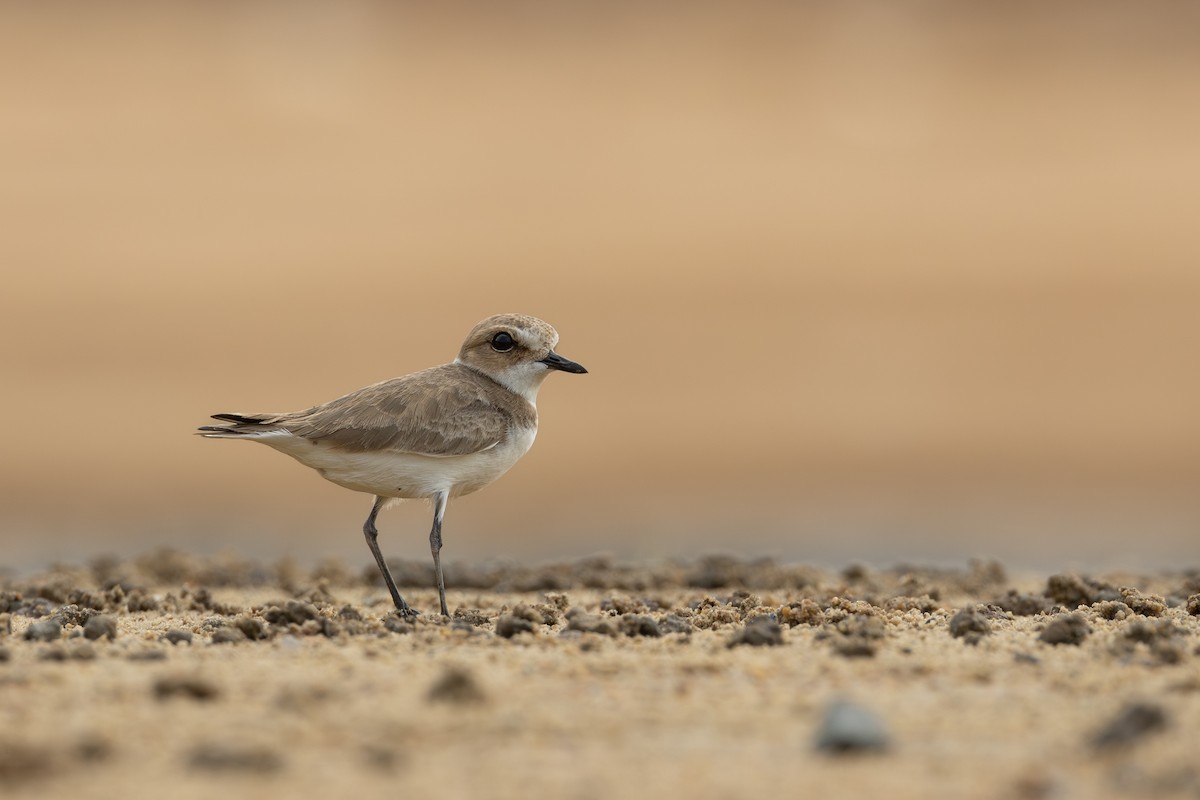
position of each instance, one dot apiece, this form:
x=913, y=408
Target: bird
x=436, y=434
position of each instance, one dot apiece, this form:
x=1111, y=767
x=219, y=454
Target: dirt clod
x=970, y=625
x=1132, y=723
x=47, y=630
x=457, y=686
x=639, y=625
x=508, y=626
x=192, y=687
x=252, y=628
x=1069, y=629
x=758, y=632
x=177, y=636
x=1073, y=591
x=1149, y=605
x=100, y=626
x=225, y=757
x=591, y=623
x=228, y=636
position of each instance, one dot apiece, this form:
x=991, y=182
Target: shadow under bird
x=439, y=433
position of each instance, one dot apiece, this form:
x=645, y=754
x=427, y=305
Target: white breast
x=406, y=475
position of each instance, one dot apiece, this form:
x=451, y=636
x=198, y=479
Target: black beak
x=555, y=361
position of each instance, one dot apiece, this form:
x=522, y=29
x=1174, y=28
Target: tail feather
x=245, y=419
x=240, y=425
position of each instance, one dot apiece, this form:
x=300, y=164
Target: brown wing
x=444, y=411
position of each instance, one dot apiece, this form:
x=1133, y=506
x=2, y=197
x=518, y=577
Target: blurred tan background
x=870, y=281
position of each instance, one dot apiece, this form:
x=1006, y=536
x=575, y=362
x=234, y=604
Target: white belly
x=406, y=475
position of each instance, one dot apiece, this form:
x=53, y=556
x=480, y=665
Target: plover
x=439, y=433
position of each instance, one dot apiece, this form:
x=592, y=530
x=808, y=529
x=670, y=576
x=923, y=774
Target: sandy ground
x=713, y=678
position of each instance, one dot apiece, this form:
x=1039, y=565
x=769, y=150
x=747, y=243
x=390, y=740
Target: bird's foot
x=407, y=612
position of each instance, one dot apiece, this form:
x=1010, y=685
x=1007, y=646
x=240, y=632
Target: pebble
x=47, y=630
x=177, y=635
x=969, y=625
x=192, y=687
x=253, y=629
x=100, y=626
x=758, y=632
x=508, y=626
x=1065, y=629
x=457, y=686
x=1134, y=722
x=851, y=728
x=228, y=636
x=639, y=625
x=224, y=757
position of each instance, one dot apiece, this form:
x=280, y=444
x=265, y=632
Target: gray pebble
x=226, y=757
x=758, y=632
x=673, y=623
x=47, y=630
x=253, y=628
x=100, y=626
x=176, y=635
x=969, y=625
x=1065, y=629
x=850, y=728
x=228, y=636
x=456, y=686
x=1133, y=723
x=189, y=686
x=508, y=626
x=639, y=625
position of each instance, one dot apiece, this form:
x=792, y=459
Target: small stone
x=673, y=623
x=100, y=626
x=252, y=628
x=508, y=626
x=1069, y=629
x=177, y=635
x=1113, y=609
x=969, y=625
x=590, y=623
x=1073, y=591
x=189, y=686
x=1134, y=722
x=1023, y=605
x=398, y=624
x=639, y=625
x=226, y=757
x=457, y=686
x=47, y=630
x=850, y=728
x=292, y=611
x=761, y=631
x=228, y=636
x=20, y=760
x=1193, y=605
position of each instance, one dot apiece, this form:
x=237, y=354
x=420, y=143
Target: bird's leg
x=435, y=547
x=372, y=542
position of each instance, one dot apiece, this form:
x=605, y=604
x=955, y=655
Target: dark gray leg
x=435, y=547
x=373, y=543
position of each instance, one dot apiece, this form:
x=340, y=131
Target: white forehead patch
x=536, y=339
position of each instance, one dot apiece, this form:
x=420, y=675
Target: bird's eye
x=503, y=342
